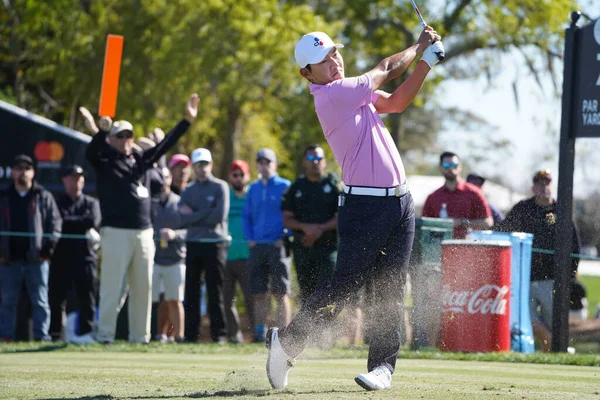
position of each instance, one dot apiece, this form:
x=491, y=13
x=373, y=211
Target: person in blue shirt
x=264, y=233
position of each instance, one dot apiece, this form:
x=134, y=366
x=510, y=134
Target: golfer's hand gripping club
x=440, y=53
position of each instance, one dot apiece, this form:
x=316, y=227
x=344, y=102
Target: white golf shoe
x=378, y=379
x=278, y=362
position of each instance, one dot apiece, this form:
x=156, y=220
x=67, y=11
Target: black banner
x=587, y=97
x=50, y=145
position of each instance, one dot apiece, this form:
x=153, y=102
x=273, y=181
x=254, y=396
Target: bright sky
x=526, y=127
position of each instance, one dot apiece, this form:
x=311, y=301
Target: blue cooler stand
x=520, y=320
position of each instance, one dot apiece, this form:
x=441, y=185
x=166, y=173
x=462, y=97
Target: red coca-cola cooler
x=475, y=295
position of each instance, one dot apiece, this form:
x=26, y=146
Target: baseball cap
x=313, y=47
x=72, y=170
x=200, y=155
x=23, y=159
x=542, y=175
x=179, y=158
x=474, y=178
x=120, y=126
x=267, y=154
x=241, y=165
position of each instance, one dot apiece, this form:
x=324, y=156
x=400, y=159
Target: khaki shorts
x=171, y=279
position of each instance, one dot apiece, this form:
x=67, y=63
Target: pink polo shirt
x=356, y=134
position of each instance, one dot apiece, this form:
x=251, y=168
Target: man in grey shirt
x=207, y=202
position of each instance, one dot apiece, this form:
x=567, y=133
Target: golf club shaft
x=423, y=23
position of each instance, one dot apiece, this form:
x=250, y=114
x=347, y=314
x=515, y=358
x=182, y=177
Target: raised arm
x=392, y=67
x=191, y=111
x=98, y=149
x=88, y=120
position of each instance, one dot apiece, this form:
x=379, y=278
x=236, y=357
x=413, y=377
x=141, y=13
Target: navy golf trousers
x=376, y=236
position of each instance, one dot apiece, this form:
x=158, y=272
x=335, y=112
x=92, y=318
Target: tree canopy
x=238, y=55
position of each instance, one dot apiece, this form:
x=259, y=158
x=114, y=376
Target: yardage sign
x=587, y=96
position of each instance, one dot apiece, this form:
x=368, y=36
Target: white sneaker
x=83, y=339
x=161, y=338
x=278, y=362
x=378, y=379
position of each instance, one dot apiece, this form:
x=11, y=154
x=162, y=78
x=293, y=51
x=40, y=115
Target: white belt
x=397, y=191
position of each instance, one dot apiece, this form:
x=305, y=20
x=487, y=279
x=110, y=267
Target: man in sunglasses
x=310, y=208
x=269, y=264
x=466, y=205
x=537, y=215
x=30, y=210
x=123, y=185
x=460, y=201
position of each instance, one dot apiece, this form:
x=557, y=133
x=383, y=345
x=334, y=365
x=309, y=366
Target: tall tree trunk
x=231, y=142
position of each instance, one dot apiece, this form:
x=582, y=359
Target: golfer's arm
x=405, y=93
x=392, y=67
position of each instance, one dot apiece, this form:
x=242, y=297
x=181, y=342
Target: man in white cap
x=376, y=221
x=207, y=202
x=123, y=183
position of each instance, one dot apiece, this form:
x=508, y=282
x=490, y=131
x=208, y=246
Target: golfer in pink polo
x=376, y=220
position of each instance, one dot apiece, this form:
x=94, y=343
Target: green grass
x=122, y=371
x=592, y=286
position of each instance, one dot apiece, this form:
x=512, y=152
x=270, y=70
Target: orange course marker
x=110, y=76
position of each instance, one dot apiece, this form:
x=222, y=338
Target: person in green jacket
x=236, y=269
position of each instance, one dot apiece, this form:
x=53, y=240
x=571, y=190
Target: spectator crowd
x=166, y=230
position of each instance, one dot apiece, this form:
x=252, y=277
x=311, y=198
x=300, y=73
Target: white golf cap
x=313, y=47
x=120, y=126
x=200, y=155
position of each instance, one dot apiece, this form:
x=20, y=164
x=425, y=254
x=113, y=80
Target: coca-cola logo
x=488, y=299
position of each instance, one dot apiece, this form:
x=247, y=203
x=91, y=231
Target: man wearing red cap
x=180, y=167
x=537, y=215
x=236, y=269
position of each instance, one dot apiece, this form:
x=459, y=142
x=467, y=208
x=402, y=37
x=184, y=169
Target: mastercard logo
x=49, y=151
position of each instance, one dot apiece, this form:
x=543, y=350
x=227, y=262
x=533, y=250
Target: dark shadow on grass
x=263, y=393
x=42, y=349
x=208, y=395
x=101, y=397
x=229, y=393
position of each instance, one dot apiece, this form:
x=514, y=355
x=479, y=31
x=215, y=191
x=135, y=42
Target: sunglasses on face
x=312, y=157
x=262, y=161
x=448, y=165
x=201, y=164
x=124, y=135
x=23, y=167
